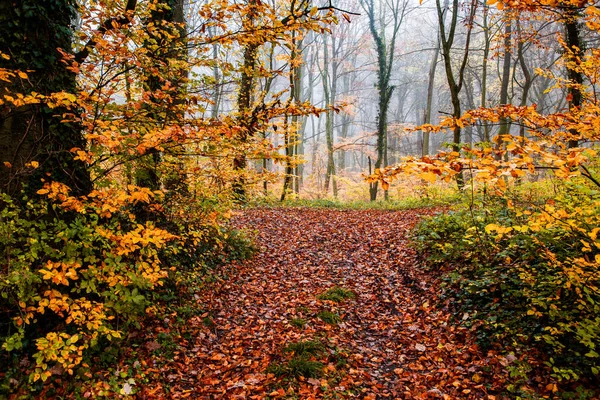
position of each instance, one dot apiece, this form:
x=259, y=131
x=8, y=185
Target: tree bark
x=526, y=74
x=506, y=77
x=455, y=84
x=484, y=64
x=385, y=60
x=575, y=55
x=244, y=105
x=430, y=87
x=31, y=32
x=330, y=89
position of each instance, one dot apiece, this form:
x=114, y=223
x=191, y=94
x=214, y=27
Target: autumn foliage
x=524, y=253
x=80, y=265
x=119, y=170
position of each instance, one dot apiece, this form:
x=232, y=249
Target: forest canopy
x=129, y=130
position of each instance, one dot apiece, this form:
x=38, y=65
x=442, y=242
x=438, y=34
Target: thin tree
x=430, y=86
x=330, y=91
x=455, y=81
x=385, y=48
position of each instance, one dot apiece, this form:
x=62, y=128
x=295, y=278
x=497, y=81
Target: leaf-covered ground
x=393, y=339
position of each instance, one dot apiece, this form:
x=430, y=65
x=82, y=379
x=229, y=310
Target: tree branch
x=108, y=24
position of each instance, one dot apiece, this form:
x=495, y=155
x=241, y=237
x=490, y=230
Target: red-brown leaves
x=394, y=340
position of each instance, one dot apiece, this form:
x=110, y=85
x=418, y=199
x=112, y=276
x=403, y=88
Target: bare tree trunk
x=385, y=59
x=506, y=68
x=484, y=66
x=216, y=97
x=455, y=84
x=330, y=89
x=430, y=87
x=345, y=122
x=526, y=74
x=291, y=134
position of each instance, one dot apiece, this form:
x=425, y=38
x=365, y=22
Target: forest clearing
x=299, y=199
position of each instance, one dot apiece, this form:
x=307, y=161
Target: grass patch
x=299, y=323
x=298, y=366
x=329, y=317
x=303, y=362
x=443, y=198
x=277, y=369
x=305, y=348
x=208, y=322
x=337, y=294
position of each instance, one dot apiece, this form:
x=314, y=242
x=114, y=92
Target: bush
x=70, y=279
x=75, y=273
x=530, y=273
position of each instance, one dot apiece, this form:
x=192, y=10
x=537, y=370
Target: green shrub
x=76, y=273
x=531, y=274
x=70, y=279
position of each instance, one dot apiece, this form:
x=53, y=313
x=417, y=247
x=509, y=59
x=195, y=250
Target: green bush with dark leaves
x=525, y=275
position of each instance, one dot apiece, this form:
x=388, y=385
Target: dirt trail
x=393, y=341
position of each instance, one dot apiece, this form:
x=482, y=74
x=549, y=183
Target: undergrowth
x=337, y=294
x=74, y=285
x=441, y=198
x=524, y=269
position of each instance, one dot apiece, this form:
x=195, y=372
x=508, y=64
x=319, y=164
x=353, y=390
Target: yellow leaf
x=22, y=75
x=490, y=228
x=7, y=164
x=428, y=176
x=34, y=164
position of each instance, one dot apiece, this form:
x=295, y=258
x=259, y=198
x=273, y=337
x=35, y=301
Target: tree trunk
x=526, y=74
x=385, y=60
x=430, y=87
x=504, y=122
x=31, y=31
x=484, y=64
x=166, y=42
x=244, y=104
x=575, y=55
x=455, y=83
x=330, y=89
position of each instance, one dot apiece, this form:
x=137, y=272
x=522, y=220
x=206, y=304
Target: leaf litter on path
x=392, y=340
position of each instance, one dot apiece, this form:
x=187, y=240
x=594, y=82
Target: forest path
x=392, y=341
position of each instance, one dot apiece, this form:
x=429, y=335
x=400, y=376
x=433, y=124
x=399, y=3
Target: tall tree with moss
x=32, y=35
x=165, y=85
x=384, y=31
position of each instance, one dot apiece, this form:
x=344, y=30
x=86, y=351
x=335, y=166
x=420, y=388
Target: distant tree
x=385, y=47
x=455, y=78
